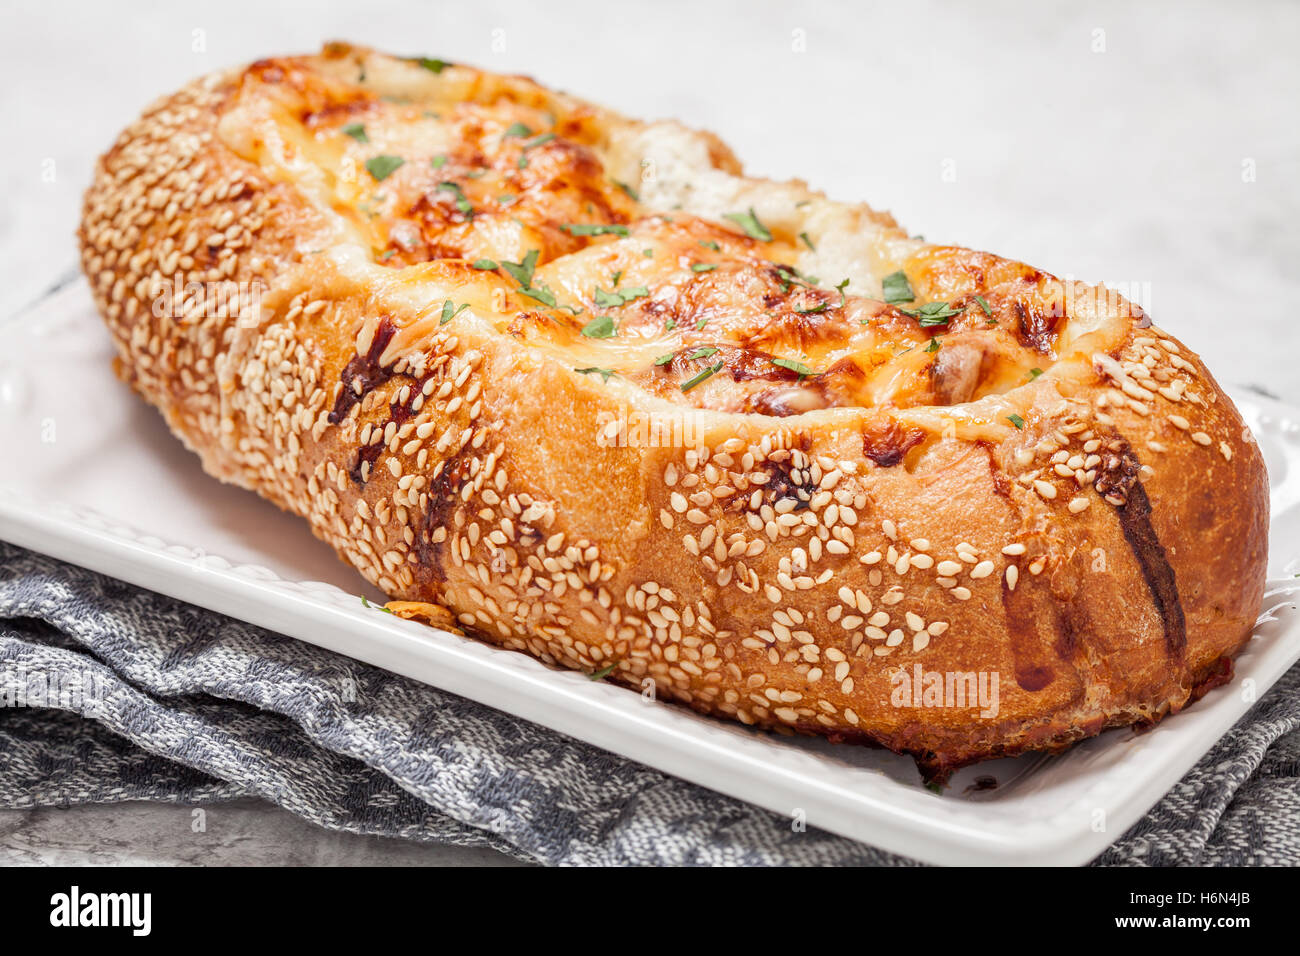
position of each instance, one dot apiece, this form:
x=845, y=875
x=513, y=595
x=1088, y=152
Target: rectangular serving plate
x=93, y=477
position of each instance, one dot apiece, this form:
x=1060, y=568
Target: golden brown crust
x=1053, y=491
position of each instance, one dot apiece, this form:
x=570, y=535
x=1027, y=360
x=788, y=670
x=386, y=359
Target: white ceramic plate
x=92, y=476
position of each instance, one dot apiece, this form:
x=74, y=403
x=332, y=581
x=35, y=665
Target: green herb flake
x=896, y=288
x=819, y=307
x=710, y=244
x=840, y=289
x=462, y=204
x=485, y=264
x=648, y=253
x=604, y=373
x=432, y=64
x=522, y=272
x=797, y=367
x=748, y=221
x=934, y=345
x=1016, y=420
x=932, y=313
x=602, y=673
x=665, y=359
x=438, y=161
x=541, y=294
x=1034, y=373
x=601, y=327
x=702, y=353
x=702, y=267
x=518, y=129
x=594, y=229
x=694, y=380
x=983, y=304
x=807, y=242
x=381, y=167
x=357, y=131
x=377, y=607
x=449, y=311
x=631, y=193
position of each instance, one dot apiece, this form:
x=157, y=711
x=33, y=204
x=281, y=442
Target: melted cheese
x=653, y=258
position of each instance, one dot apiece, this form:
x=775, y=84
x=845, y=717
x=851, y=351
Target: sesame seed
x=982, y=570
x=1078, y=504
x=1012, y=575
x=1014, y=549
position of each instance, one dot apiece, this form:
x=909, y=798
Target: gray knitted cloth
x=190, y=706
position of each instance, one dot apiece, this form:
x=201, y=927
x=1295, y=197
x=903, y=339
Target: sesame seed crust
x=1096, y=535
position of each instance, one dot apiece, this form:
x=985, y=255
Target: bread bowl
x=574, y=385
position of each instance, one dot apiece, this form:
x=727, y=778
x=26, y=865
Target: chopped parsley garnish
x=450, y=311
x=616, y=278
x=612, y=300
x=462, y=203
x=932, y=313
x=648, y=253
x=506, y=199
x=432, y=64
x=518, y=129
x=541, y=293
x=748, y=221
x=790, y=276
x=840, y=289
x=699, y=326
x=670, y=325
x=710, y=244
x=1034, y=373
x=1016, y=420
x=604, y=373
x=896, y=288
x=934, y=345
x=381, y=167
x=702, y=267
x=377, y=607
x=807, y=242
x=702, y=353
x=602, y=673
x=665, y=359
x=797, y=367
x=357, y=131
x=694, y=380
x=631, y=193
x=601, y=327
x=484, y=264
x=819, y=307
x=983, y=304
x=533, y=144
x=594, y=229
x=522, y=272
x=438, y=161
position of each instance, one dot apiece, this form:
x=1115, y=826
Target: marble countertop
x=1152, y=148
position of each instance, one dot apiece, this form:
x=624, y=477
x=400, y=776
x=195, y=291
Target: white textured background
x=1154, y=149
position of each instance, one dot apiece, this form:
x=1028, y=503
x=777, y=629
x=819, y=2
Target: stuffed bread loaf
x=574, y=385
